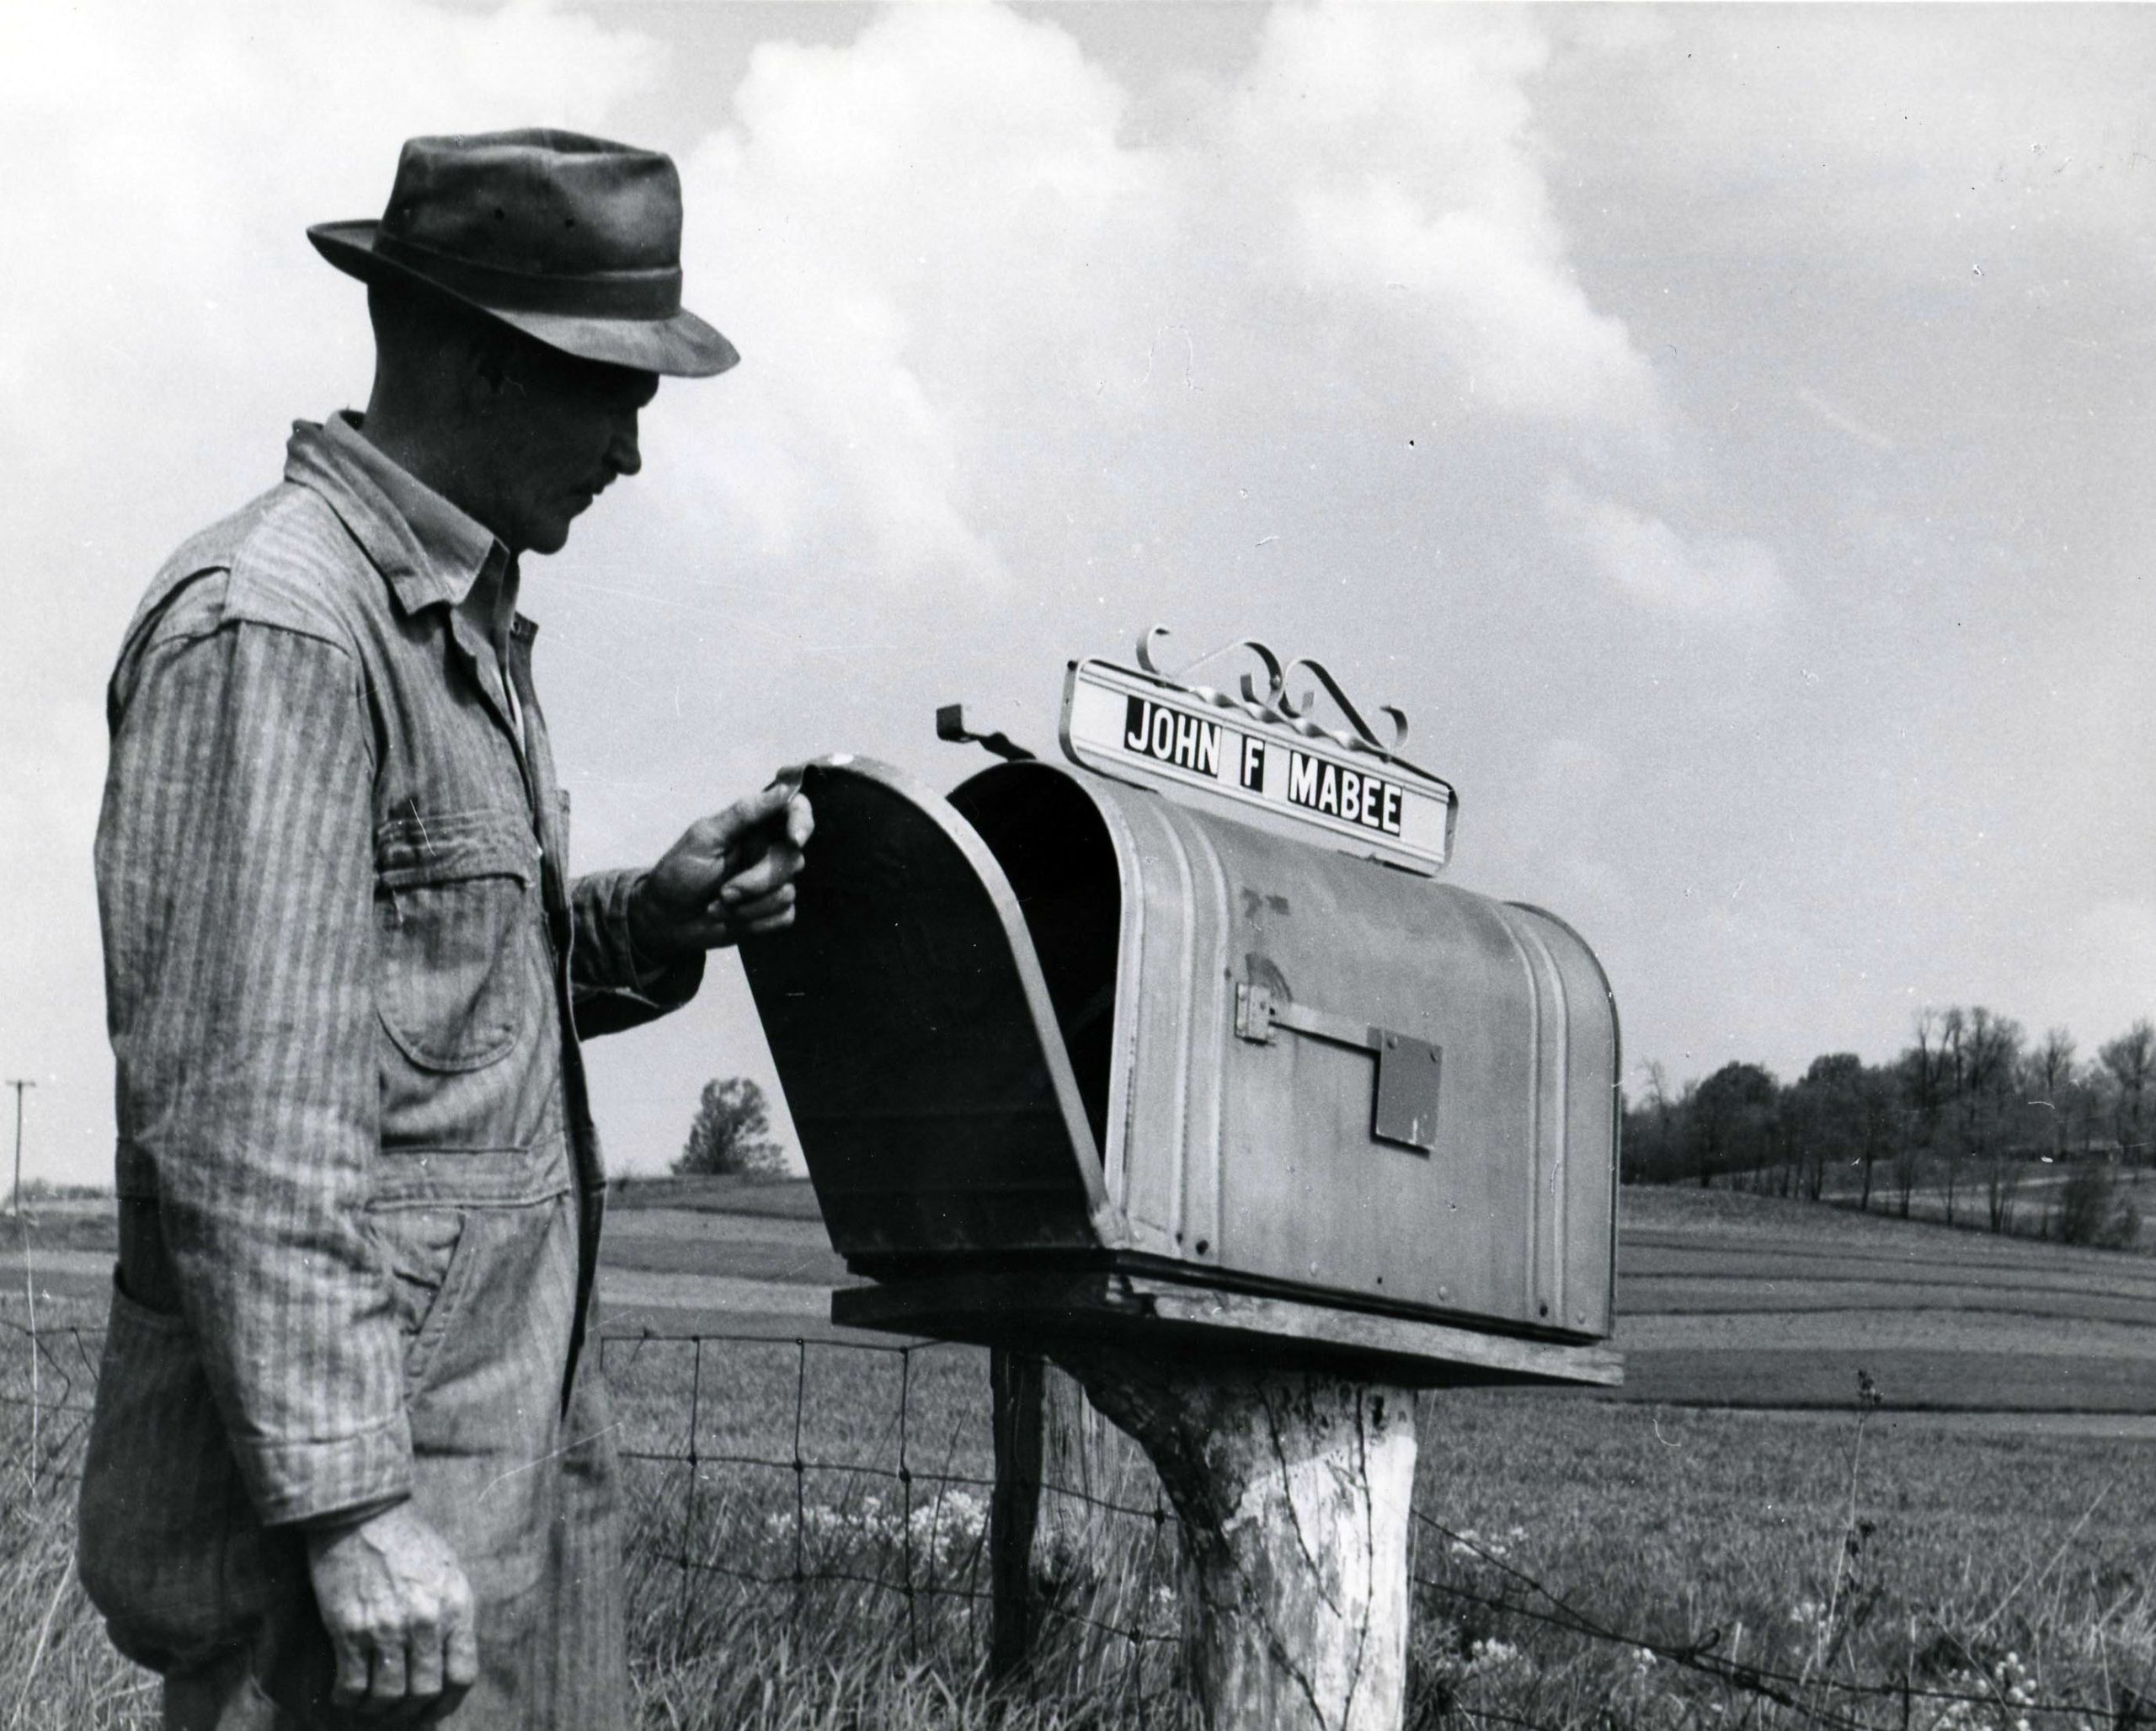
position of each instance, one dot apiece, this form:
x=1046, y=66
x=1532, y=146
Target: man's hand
x=731, y=875
x=398, y=1609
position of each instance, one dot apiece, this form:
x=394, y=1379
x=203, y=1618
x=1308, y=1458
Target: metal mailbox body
x=1057, y=1020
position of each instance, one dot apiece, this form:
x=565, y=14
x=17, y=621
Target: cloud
x=905, y=231
x=1557, y=824
x=1042, y=345
x=1860, y=129
x=1401, y=148
x=959, y=281
x=1706, y=578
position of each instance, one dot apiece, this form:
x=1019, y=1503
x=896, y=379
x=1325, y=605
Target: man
x=350, y=1455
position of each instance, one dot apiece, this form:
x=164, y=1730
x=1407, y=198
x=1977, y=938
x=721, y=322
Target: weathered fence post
x=1292, y=1488
x=1063, y=1474
x=1016, y=1392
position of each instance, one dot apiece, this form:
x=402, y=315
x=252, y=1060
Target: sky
x=1725, y=431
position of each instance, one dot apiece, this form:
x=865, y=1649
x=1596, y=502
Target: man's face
x=559, y=430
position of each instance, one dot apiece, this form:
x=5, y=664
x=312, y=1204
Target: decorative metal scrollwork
x=1275, y=702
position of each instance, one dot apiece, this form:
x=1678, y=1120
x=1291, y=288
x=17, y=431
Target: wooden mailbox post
x=1254, y=1136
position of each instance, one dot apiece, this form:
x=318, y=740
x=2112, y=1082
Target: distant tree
x=1990, y=1098
x=1954, y=1070
x=1908, y=1162
x=1732, y=1120
x=1964, y=1108
x=1879, y=1095
x=1961, y=1076
x=731, y=1133
x=1825, y=1110
x=2129, y=1063
x=1925, y=1072
x=1651, y=1155
x=2048, y=1080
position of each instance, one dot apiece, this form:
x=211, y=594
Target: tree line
x=1962, y=1116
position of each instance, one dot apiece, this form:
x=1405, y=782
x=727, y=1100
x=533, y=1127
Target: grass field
x=1728, y=1299
x=1723, y=1298
x=1740, y=1546
x=1773, y=1552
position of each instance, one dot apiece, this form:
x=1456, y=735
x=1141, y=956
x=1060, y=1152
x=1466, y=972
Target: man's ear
x=492, y=367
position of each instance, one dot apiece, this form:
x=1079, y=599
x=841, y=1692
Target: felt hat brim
x=680, y=346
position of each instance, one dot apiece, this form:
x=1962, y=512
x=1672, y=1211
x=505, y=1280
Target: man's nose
x=623, y=454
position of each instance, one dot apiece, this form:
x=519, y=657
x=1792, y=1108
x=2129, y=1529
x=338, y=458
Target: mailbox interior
x=917, y=1042
x=1053, y=842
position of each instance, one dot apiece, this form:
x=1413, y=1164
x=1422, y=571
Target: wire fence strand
x=857, y=1511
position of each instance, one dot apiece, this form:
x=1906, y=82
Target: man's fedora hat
x=573, y=240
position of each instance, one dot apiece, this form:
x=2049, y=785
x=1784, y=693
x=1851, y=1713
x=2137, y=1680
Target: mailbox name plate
x=1133, y=726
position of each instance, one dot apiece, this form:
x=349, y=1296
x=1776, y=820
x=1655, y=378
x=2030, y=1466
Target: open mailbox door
x=917, y=1039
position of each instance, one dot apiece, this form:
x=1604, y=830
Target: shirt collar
x=431, y=552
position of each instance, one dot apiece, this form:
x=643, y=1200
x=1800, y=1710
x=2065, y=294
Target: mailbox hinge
x=1405, y=1109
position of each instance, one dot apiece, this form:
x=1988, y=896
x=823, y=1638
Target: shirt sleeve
x=611, y=987
x=236, y=878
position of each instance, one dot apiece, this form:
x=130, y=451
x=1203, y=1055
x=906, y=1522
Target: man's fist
x=398, y=1612
x=731, y=875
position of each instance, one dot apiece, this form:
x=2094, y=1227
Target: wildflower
x=1490, y=1653
x=1468, y=1542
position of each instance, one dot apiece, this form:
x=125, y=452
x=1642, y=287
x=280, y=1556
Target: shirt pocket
x=450, y=893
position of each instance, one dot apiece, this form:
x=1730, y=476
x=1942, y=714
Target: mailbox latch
x=1405, y=1111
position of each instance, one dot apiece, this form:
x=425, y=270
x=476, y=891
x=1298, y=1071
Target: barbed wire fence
x=793, y=1476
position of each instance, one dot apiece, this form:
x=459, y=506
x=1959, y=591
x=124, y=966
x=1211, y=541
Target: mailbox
x=1062, y=1043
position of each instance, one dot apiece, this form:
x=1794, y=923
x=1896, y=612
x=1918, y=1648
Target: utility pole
x=19, y=1087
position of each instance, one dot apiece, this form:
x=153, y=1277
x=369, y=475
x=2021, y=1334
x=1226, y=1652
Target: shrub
x=2092, y=1211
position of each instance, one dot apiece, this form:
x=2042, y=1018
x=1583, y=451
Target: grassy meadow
x=1727, y=1299
x=1741, y=1539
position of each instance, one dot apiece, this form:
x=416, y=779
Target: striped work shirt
x=345, y=967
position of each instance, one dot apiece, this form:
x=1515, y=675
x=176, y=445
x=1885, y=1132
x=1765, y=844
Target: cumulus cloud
x=907, y=230
x=1704, y=577
x=1400, y=149
x=955, y=278
x=1040, y=345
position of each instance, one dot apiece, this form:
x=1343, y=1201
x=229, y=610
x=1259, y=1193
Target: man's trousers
x=525, y=1492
